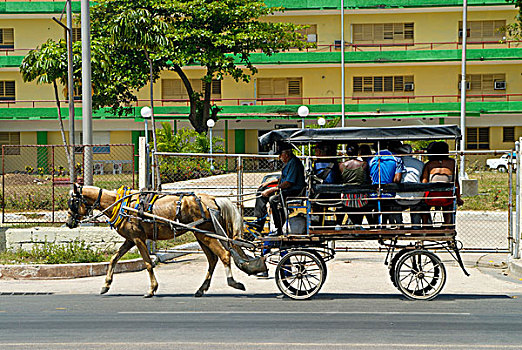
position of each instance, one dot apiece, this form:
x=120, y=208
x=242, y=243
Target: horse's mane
x=231, y=216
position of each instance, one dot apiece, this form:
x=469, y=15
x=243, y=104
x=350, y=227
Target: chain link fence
x=484, y=223
x=36, y=179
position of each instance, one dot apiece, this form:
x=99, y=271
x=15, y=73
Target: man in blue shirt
x=386, y=168
x=291, y=183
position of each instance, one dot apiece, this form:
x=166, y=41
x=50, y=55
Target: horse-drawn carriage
x=303, y=250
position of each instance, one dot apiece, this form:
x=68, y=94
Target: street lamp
x=210, y=124
x=321, y=121
x=303, y=112
x=146, y=113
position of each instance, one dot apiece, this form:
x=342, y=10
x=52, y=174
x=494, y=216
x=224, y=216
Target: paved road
x=357, y=308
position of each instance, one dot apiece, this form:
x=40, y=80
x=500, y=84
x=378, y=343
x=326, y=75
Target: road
x=358, y=308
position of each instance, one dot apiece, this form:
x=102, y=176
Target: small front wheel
x=420, y=275
x=300, y=274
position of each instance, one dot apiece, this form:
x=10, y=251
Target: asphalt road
x=261, y=321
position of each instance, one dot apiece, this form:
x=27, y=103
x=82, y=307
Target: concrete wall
x=26, y=238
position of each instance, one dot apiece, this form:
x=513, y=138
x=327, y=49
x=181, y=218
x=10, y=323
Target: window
x=76, y=34
x=10, y=138
x=477, y=138
x=483, y=83
x=6, y=38
x=508, y=134
x=382, y=32
x=483, y=30
x=7, y=90
x=174, y=89
x=280, y=88
x=310, y=33
x=397, y=83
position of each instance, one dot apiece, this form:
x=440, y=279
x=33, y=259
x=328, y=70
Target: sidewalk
x=348, y=273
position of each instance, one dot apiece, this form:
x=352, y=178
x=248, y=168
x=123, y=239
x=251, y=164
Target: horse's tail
x=231, y=217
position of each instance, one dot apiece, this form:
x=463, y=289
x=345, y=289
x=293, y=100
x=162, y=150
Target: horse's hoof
x=199, y=294
x=148, y=295
x=104, y=290
x=237, y=285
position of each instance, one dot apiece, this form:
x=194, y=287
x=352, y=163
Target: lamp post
x=210, y=124
x=303, y=112
x=146, y=113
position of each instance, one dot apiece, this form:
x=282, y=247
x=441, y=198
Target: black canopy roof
x=342, y=135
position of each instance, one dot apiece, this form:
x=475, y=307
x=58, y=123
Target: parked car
x=501, y=164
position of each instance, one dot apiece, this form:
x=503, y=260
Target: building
x=402, y=68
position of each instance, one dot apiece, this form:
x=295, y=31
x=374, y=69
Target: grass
x=493, y=191
x=51, y=253
x=185, y=238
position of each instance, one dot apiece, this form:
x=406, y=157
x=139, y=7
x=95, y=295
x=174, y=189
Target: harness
x=77, y=198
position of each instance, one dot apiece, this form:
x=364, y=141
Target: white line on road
x=295, y=313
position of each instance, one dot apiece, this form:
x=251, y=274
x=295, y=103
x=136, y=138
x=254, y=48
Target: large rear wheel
x=300, y=274
x=420, y=275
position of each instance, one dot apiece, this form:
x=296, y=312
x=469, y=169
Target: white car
x=501, y=164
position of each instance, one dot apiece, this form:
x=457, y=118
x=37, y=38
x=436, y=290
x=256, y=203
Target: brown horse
x=136, y=230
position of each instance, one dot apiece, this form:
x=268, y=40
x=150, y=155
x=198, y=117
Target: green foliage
x=76, y=251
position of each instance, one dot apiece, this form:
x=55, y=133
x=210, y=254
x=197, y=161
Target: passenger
x=414, y=169
x=291, y=183
x=354, y=171
x=326, y=169
x=365, y=153
x=386, y=168
x=441, y=168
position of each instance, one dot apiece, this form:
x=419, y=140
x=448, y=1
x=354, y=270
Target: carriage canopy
x=341, y=135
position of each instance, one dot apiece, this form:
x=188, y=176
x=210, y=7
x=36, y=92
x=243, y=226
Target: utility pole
x=462, y=172
x=86, y=91
x=70, y=83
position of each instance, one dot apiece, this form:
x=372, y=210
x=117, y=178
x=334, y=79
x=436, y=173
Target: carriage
x=304, y=249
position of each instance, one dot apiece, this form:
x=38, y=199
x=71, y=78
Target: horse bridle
x=77, y=199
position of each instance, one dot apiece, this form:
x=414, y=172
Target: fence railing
x=36, y=178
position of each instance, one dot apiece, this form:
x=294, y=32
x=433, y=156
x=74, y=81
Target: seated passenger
x=441, y=168
x=386, y=168
x=414, y=169
x=354, y=171
x=326, y=169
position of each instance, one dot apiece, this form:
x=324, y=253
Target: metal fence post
x=516, y=253
x=240, y=183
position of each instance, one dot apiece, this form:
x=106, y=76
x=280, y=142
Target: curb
x=65, y=271
x=515, y=267
x=80, y=270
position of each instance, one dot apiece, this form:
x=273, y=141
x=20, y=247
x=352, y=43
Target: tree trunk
x=194, y=117
x=64, y=140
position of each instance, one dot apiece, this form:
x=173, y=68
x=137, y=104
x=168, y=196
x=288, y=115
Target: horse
x=183, y=208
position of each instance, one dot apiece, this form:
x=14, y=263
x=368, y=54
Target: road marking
x=295, y=313
x=285, y=345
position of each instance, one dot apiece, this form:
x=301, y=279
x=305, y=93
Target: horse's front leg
x=110, y=271
x=212, y=261
x=144, y=252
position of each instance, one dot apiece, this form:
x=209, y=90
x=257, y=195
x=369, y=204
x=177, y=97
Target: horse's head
x=80, y=205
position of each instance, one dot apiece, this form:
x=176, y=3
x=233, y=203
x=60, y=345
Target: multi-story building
x=402, y=67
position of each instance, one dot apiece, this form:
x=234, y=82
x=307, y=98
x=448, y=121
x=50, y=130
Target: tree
x=217, y=35
x=48, y=65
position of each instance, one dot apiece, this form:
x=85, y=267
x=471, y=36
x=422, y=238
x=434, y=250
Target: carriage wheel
x=420, y=275
x=321, y=259
x=300, y=274
x=393, y=265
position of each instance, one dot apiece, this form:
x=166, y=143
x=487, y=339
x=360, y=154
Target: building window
x=477, y=138
x=508, y=134
x=389, y=84
x=7, y=90
x=76, y=34
x=101, y=138
x=485, y=83
x=280, y=88
x=174, y=89
x=10, y=138
x=309, y=34
x=6, y=38
x=383, y=32
x=483, y=30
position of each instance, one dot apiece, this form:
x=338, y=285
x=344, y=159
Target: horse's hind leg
x=115, y=258
x=148, y=264
x=212, y=261
x=224, y=255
